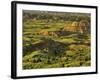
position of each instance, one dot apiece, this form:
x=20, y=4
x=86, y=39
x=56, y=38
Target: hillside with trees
x=56, y=39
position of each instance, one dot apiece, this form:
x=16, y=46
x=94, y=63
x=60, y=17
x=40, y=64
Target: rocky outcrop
x=82, y=26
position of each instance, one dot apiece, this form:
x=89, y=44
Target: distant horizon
x=51, y=12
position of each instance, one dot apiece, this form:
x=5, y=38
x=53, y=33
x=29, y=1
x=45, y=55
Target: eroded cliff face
x=72, y=27
x=82, y=26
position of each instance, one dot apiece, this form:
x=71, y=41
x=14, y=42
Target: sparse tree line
x=54, y=16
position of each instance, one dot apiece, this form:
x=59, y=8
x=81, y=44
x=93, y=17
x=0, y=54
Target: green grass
x=70, y=55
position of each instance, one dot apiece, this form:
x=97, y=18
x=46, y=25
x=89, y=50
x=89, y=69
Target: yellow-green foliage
x=51, y=40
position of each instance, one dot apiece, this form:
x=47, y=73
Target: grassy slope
x=73, y=56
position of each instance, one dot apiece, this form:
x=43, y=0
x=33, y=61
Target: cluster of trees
x=46, y=45
x=55, y=16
